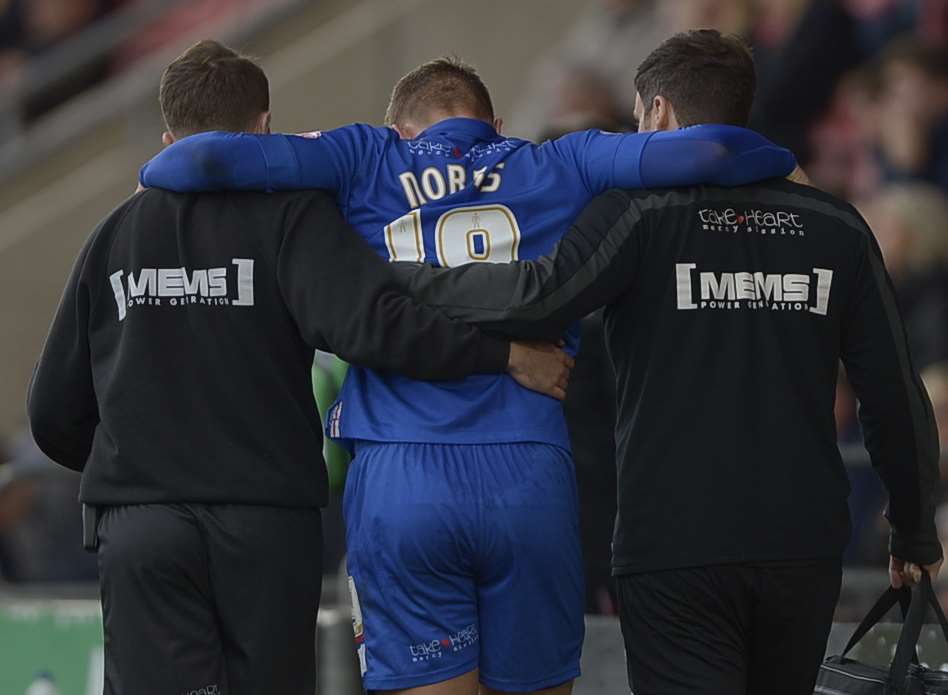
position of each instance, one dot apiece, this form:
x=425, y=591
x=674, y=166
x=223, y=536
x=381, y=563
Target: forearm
x=253, y=162
x=61, y=403
x=346, y=299
x=395, y=334
x=896, y=414
x=704, y=154
x=718, y=155
x=902, y=443
x=62, y=420
x=217, y=161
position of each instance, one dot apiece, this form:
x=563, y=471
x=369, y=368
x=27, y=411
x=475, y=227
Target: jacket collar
x=463, y=129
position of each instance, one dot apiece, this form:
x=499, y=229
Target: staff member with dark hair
x=728, y=311
x=176, y=377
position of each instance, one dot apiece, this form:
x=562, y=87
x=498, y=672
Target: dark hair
x=708, y=77
x=444, y=84
x=210, y=87
x=928, y=58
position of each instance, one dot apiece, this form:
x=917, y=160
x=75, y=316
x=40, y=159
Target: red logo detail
x=740, y=219
x=445, y=643
x=456, y=152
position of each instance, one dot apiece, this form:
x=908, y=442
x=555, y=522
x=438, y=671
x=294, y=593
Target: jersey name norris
x=753, y=290
x=432, y=184
x=179, y=287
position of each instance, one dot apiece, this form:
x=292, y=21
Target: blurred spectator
x=33, y=31
x=831, y=39
x=40, y=520
x=606, y=46
x=911, y=223
x=823, y=46
x=46, y=24
x=844, y=144
x=49, y=22
x=729, y=16
x=879, y=21
x=177, y=21
x=935, y=379
x=12, y=53
x=582, y=96
x=913, y=110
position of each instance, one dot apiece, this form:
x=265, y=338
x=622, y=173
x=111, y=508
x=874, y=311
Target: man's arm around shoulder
x=594, y=263
x=347, y=300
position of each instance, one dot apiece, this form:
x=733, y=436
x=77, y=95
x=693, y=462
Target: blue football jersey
x=460, y=193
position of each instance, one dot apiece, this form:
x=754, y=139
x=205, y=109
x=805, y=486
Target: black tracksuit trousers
x=210, y=599
x=747, y=629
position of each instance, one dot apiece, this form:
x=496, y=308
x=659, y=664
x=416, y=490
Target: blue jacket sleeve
x=706, y=154
x=217, y=161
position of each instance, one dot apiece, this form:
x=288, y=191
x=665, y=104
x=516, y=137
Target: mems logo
x=179, y=287
x=753, y=290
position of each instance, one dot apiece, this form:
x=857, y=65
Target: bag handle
x=934, y=603
x=922, y=598
x=885, y=603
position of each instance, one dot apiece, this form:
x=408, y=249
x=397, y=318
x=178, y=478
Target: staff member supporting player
x=176, y=377
x=727, y=314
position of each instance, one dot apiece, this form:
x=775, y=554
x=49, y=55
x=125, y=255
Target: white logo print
x=179, y=287
x=733, y=221
x=437, y=648
x=747, y=290
x=211, y=689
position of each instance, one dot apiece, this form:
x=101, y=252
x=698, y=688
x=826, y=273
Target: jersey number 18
x=481, y=233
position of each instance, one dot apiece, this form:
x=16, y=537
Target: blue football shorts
x=465, y=557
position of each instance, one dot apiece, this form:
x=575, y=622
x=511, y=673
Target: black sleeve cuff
x=492, y=356
x=922, y=548
x=64, y=458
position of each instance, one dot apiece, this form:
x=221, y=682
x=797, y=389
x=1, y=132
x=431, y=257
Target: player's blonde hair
x=445, y=84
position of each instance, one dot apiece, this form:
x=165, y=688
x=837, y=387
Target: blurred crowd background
x=32, y=32
x=857, y=88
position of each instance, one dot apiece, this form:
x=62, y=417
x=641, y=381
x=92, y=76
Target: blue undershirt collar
x=460, y=130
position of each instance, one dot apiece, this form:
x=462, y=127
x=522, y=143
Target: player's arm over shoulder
x=214, y=161
x=703, y=154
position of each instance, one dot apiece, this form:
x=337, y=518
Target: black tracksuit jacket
x=727, y=314
x=177, y=368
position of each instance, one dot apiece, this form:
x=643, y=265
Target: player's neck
x=412, y=129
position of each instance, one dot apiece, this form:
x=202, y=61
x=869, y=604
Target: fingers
x=915, y=572
x=896, y=566
x=542, y=367
x=902, y=573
